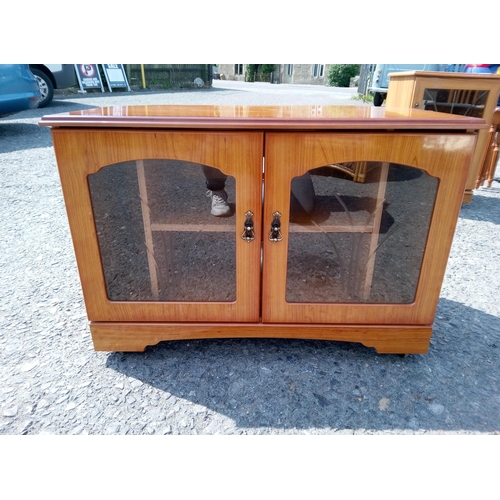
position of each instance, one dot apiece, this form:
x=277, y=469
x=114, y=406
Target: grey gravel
x=53, y=382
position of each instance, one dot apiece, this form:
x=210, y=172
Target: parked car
x=482, y=68
x=53, y=76
x=488, y=69
x=18, y=89
x=380, y=79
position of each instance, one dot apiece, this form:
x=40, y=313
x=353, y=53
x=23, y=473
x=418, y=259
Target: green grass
x=364, y=98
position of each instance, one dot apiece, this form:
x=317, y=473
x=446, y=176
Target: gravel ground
x=52, y=381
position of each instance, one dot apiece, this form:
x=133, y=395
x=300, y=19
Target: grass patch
x=364, y=98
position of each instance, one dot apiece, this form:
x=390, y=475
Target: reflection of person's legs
x=302, y=197
x=216, y=182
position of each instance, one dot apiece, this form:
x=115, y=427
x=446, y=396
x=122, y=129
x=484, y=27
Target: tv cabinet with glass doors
x=340, y=225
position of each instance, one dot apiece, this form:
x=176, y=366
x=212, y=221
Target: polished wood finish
x=137, y=336
x=236, y=140
x=81, y=152
x=491, y=157
x=408, y=89
x=259, y=117
x=425, y=151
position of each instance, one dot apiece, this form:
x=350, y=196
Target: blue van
x=380, y=77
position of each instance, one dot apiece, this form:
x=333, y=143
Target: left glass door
x=159, y=222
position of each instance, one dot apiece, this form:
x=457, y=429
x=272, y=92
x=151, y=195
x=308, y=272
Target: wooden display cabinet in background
x=474, y=95
x=345, y=237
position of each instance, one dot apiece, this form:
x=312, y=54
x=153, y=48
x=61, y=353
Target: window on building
x=318, y=70
x=238, y=69
x=289, y=69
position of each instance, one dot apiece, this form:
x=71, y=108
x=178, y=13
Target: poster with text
x=88, y=76
x=115, y=76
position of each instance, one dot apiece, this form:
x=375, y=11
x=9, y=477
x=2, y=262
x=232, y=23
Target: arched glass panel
x=358, y=233
x=160, y=237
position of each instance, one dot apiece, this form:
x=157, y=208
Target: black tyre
x=378, y=99
x=46, y=87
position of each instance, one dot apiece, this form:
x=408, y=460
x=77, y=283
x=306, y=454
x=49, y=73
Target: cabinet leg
x=467, y=196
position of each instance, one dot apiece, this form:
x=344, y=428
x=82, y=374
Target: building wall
x=228, y=70
x=301, y=74
x=304, y=74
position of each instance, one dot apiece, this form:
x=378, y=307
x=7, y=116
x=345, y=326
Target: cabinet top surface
x=261, y=118
x=445, y=75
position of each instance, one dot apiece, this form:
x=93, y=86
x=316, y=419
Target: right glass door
x=354, y=226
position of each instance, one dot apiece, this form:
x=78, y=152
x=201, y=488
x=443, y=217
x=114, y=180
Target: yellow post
x=143, y=76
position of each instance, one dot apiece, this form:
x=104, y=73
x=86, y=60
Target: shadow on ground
x=482, y=207
x=292, y=384
x=17, y=134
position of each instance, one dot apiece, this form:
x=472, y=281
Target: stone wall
x=302, y=74
x=227, y=72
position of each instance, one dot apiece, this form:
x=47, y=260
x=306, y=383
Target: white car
x=53, y=76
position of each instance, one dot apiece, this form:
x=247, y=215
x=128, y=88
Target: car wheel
x=46, y=87
x=378, y=99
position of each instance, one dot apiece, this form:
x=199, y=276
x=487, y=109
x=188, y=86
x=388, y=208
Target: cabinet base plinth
x=135, y=337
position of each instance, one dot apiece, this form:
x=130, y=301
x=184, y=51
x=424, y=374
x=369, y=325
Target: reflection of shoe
x=219, y=203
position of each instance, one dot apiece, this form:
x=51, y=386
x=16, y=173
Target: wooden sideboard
x=474, y=95
x=340, y=225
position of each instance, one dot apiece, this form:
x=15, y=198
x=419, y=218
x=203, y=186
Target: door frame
x=81, y=152
x=292, y=154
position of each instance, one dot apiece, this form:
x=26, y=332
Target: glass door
x=164, y=223
x=354, y=221
x=465, y=102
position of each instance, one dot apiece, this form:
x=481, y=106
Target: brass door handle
x=248, y=232
x=275, y=233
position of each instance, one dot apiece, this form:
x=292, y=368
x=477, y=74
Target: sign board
x=115, y=76
x=88, y=77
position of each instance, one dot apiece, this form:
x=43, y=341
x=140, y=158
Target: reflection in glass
x=157, y=237
x=456, y=102
x=358, y=233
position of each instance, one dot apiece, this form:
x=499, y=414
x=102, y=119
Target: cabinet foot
x=467, y=196
x=135, y=337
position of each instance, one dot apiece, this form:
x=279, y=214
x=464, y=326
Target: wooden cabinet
x=340, y=225
x=474, y=95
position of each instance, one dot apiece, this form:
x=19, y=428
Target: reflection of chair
x=356, y=169
x=491, y=154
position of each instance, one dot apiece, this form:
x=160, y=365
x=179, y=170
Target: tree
x=267, y=69
x=259, y=72
x=339, y=75
x=251, y=69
